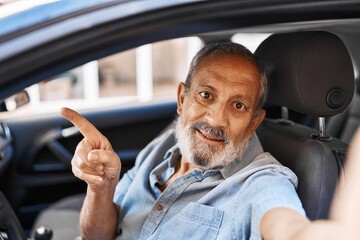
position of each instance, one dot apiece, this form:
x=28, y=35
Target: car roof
x=71, y=33
x=19, y=15
x=55, y=19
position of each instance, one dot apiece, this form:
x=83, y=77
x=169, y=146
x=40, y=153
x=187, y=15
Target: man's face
x=217, y=115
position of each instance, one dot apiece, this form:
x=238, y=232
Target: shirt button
x=160, y=207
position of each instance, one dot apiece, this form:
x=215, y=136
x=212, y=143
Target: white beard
x=204, y=155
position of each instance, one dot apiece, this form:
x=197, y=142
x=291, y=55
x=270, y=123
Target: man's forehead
x=220, y=56
x=231, y=68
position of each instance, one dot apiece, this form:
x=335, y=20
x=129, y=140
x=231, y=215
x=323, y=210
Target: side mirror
x=15, y=101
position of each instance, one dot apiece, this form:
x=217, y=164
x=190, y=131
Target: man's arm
x=98, y=165
x=287, y=224
x=98, y=217
x=344, y=221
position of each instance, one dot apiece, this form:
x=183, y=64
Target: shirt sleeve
x=268, y=189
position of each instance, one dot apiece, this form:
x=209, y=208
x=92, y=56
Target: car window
x=250, y=40
x=147, y=73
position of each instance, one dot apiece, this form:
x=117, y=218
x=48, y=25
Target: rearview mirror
x=15, y=101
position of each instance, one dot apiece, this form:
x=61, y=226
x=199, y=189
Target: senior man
x=207, y=179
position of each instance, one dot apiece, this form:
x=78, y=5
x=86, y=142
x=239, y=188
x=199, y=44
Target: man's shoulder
x=266, y=165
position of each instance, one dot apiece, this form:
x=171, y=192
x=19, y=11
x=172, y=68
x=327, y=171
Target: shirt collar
x=254, y=148
x=174, y=150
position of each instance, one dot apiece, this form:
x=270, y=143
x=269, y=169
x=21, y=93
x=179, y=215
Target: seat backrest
x=311, y=73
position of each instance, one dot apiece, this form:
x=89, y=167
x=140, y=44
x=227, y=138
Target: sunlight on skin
x=99, y=164
x=346, y=206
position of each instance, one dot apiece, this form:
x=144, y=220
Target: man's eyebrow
x=203, y=85
x=247, y=99
x=242, y=97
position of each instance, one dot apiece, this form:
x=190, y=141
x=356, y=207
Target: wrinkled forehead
x=237, y=61
x=233, y=68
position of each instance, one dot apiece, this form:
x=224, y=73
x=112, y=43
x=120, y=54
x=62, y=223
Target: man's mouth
x=210, y=137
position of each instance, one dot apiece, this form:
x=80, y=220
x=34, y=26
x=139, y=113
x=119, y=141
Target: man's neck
x=182, y=168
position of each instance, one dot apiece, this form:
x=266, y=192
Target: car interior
x=312, y=112
x=294, y=63
x=297, y=64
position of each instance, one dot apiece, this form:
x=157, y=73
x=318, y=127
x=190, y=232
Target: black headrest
x=309, y=72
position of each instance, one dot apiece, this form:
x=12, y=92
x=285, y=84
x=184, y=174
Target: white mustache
x=217, y=133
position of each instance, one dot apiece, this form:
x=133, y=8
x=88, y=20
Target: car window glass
x=146, y=73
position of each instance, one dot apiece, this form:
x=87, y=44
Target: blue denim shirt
x=214, y=204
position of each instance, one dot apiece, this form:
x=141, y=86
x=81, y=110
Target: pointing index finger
x=87, y=129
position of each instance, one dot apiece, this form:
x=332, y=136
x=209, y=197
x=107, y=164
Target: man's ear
x=258, y=119
x=180, y=97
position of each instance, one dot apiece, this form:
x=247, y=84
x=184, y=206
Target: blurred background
x=117, y=79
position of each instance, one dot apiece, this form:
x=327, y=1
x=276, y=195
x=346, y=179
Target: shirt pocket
x=195, y=221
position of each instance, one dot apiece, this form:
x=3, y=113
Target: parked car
x=44, y=43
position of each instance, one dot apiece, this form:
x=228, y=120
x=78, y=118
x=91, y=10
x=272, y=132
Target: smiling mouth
x=210, y=137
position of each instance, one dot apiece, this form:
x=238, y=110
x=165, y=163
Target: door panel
x=40, y=170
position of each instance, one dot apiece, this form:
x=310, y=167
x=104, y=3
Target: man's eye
x=205, y=95
x=239, y=106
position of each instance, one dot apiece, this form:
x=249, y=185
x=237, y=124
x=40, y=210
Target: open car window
x=147, y=73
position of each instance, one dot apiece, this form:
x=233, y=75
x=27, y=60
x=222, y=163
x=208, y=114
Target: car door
x=43, y=145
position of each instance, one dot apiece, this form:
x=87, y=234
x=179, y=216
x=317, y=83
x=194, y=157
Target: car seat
x=62, y=218
x=311, y=73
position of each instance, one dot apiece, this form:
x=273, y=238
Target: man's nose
x=217, y=115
